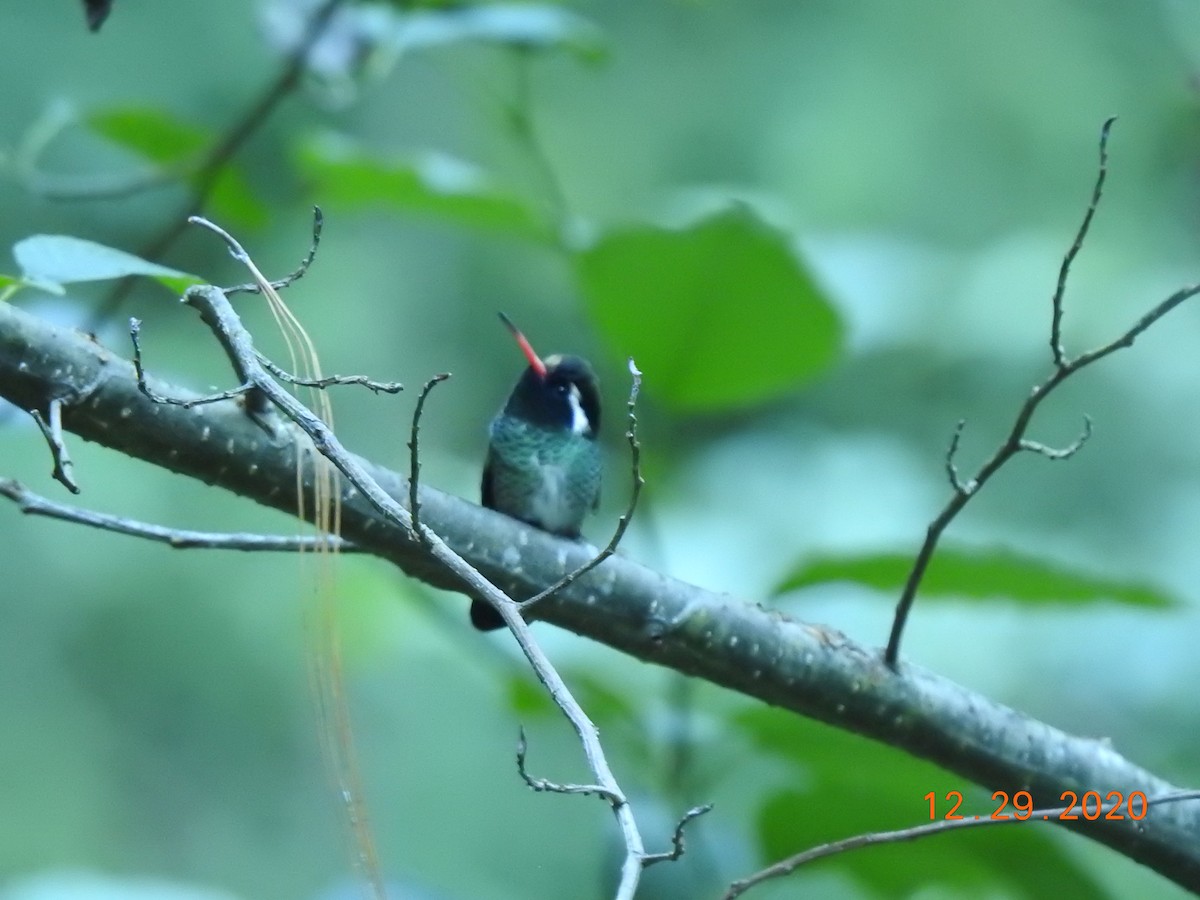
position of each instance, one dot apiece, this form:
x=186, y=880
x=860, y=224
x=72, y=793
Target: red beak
x=535, y=361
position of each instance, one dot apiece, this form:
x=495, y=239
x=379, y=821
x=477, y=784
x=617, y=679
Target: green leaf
x=527, y=698
x=233, y=202
x=526, y=25
x=852, y=785
x=603, y=703
x=161, y=139
x=62, y=259
x=719, y=315
x=434, y=184
x=150, y=133
x=982, y=574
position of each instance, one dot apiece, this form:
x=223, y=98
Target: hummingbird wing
x=483, y=616
x=485, y=489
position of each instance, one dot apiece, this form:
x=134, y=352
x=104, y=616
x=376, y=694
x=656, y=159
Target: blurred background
x=827, y=231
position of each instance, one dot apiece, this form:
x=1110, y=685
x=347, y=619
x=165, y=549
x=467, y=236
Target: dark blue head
x=559, y=393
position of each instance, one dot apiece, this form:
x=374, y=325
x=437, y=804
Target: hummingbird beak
x=535, y=361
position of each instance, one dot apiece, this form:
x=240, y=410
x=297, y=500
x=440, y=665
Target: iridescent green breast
x=549, y=478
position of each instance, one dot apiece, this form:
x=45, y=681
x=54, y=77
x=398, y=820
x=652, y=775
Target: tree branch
x=1016, y=442
x=761, y=653
x=178, y=538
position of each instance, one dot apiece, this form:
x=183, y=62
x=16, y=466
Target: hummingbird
x=543, y=459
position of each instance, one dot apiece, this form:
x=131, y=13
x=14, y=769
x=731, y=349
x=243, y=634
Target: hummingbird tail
x=484, y=617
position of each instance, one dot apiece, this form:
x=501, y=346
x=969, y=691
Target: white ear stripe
x=579, y=419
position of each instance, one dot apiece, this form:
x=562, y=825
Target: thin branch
x=1057, y=453
x=178, y=538
x=139, y=369
x=64, y=469
x=378, y=387
x=414, y=455
x=635, y=457
x=677, y=848
x=301, y=270
x=1016, y=441
x=951, y=466
x=1064, y=271
x=789, y=865
x=553, y=787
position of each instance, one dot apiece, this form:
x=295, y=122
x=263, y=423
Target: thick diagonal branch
x=807, y=669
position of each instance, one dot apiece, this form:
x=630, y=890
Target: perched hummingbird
x=543, y=461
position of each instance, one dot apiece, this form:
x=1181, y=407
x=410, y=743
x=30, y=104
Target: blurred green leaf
x=435, y=184
x=164, y=140
x=526, y=25
x=62, y=259
x=151, y=133
x=233, y=203
x=852, y=785
x=601, y=701
x=527, y=698
x=982, y=574
x=6, y=280
x=721, y=314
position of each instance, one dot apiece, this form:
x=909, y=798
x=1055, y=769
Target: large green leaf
x=436, y=184
x=150, y=133
x=977, y=574
x=851, y=785
x=719, y=315
x=166, y=141
x=61, y=259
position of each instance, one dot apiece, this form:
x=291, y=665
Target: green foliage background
x=826, y=231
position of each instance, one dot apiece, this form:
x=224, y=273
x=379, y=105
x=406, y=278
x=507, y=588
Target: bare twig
x=52, y=431
x=1057, y=453
x=1064, y=271
x=301, y=270
x=952, y=466
x=553, y=787
x=1016, y=441
x=414, y=455
x=789, y=865
x=677, y=848
x=378, y=387
x=135, y=333
x=181, y=539
x=635, y=455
